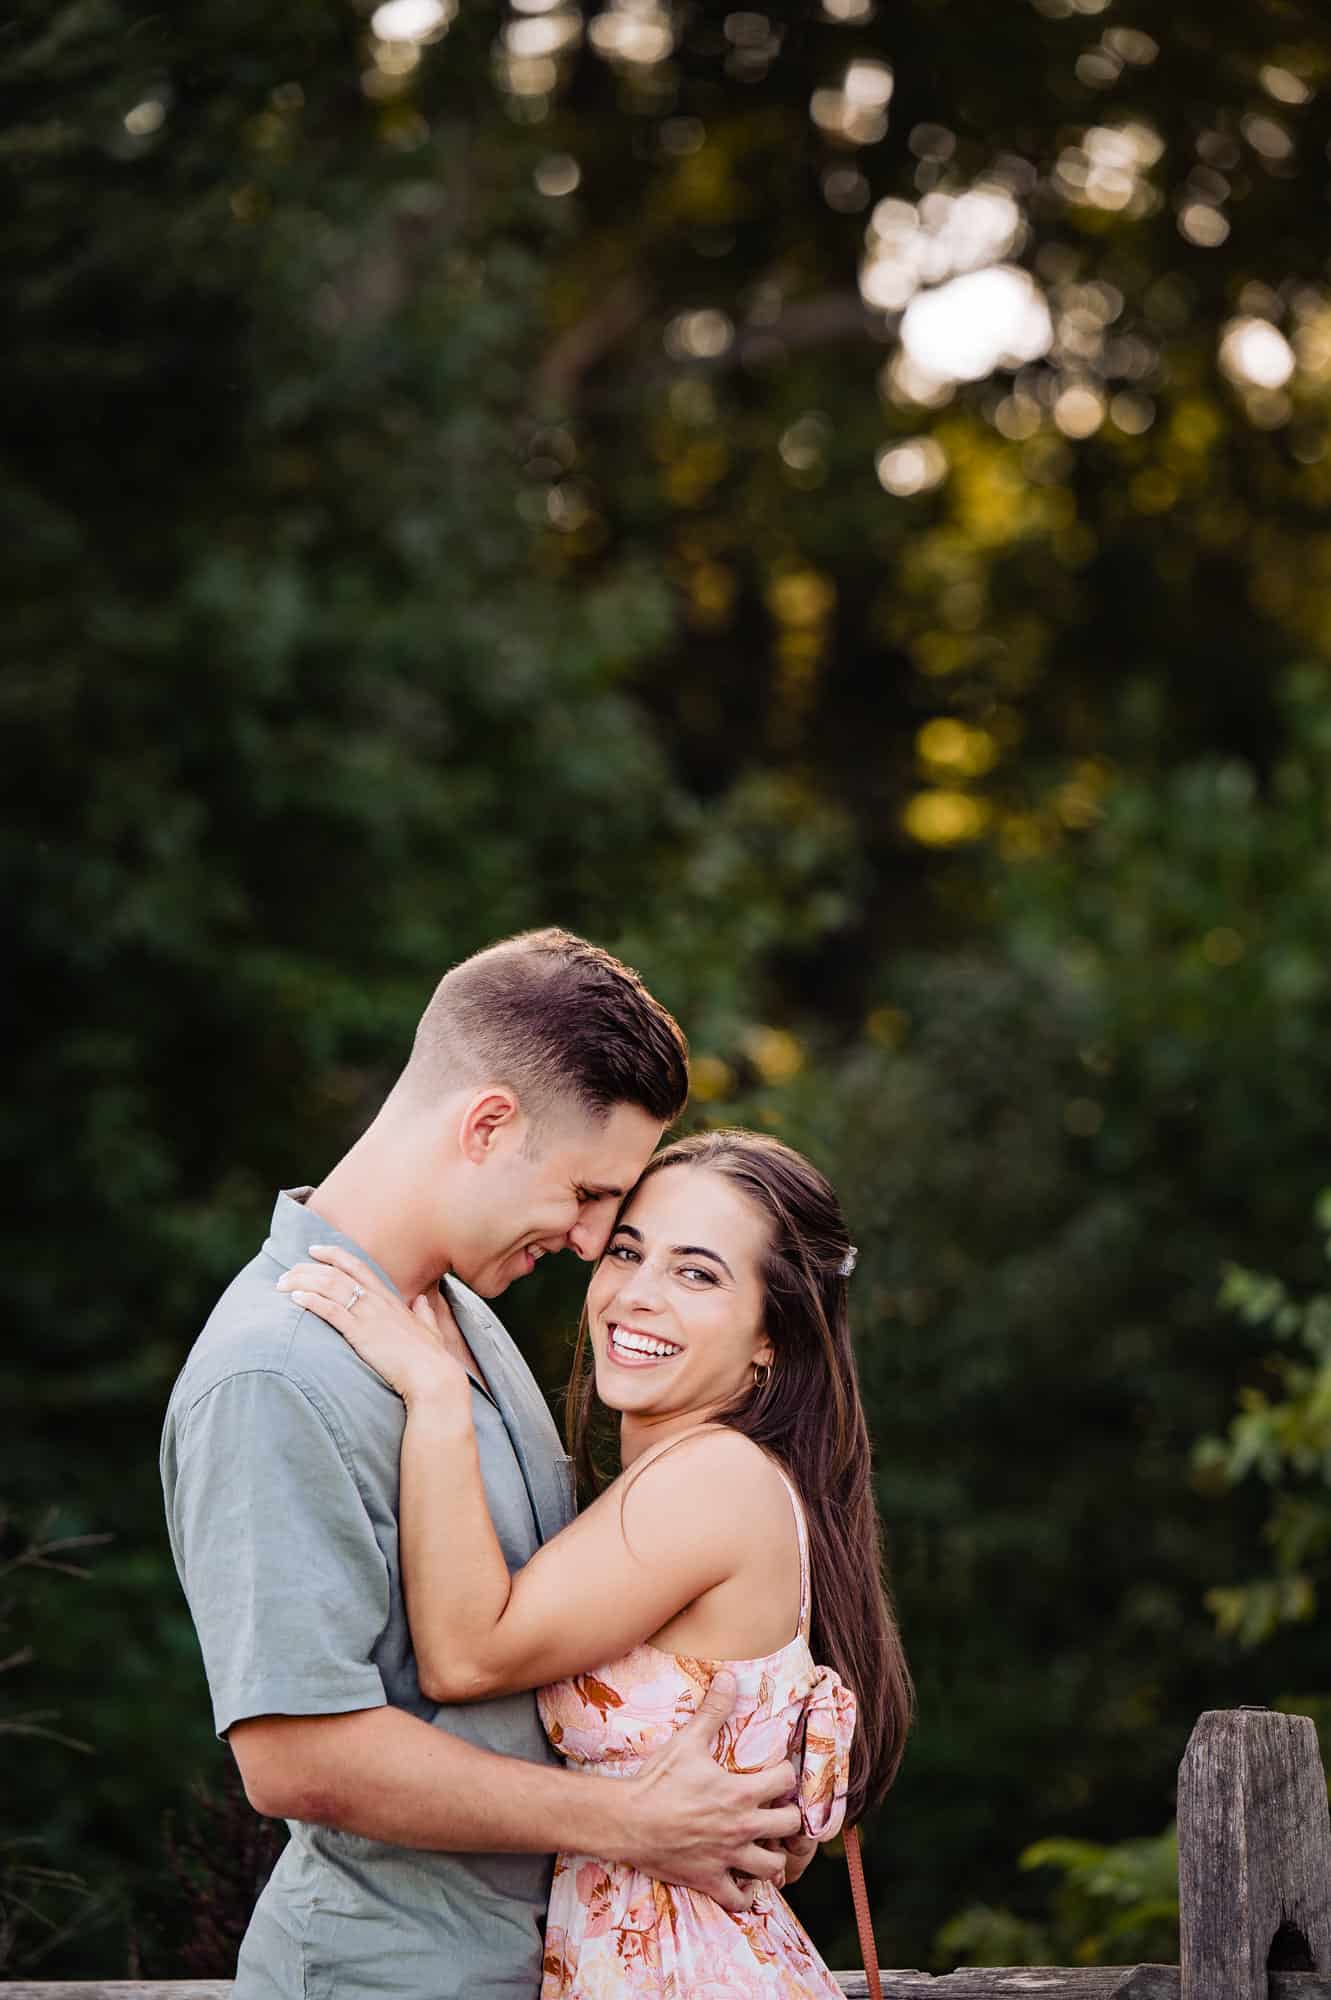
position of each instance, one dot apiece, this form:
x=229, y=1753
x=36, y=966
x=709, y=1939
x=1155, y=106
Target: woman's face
x=675, y=1308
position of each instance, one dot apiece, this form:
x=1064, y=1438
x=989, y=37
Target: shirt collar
x=295, y=1226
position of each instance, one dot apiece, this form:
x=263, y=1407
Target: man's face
x=556, y=1185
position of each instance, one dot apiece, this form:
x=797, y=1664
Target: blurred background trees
x=831, y=503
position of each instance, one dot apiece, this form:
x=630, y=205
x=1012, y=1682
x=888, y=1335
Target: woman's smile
x=630, y=1348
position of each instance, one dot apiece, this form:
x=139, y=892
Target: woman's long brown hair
x=808, y=1415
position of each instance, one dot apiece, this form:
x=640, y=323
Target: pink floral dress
x=616, y=1934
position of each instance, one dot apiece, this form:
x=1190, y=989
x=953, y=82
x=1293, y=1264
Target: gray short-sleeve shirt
x=280, y=1471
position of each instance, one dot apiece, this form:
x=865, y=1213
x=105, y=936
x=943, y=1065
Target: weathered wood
x=122, y=1989
x=1254, y=1854
x=1025, y=1982
x=1018, y=1982
x=1053, y=1982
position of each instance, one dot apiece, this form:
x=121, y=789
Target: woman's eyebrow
x=697, y=1250
x=680, y=1249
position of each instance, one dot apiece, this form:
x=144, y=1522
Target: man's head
x=555, y=1072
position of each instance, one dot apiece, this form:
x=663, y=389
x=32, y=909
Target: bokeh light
x=636, y=33
x=1109, y=168
x=145, y=118
x=557, y=174
x=945, y=818
x=856, y=113
x=412, y=20
x=959, y=749
x=1079, y=410
x=962, y=331
x=1255, y=354
x=910, y=246
x=699, y=336
x=913, y=466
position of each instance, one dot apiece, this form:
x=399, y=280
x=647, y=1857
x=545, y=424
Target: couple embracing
x=420, y=1657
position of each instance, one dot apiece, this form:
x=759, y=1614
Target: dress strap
x=797, y=1508
x=802, y=1532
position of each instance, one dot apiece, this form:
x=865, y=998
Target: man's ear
x=487, y=1120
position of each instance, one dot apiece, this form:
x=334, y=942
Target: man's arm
x=384, y=1774
x=289, y=1592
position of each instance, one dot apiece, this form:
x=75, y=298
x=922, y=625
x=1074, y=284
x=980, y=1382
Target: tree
x=297, y=719
x=456, y=484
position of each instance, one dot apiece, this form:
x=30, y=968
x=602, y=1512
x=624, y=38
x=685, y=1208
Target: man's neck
x=371, y=1196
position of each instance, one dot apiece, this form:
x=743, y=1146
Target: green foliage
x=41, y=1907
x=297, y=715
x=1111, y=1906
x=217, y=1855
x=383, y=575
x=1280, y=1435
x=1049, y=1148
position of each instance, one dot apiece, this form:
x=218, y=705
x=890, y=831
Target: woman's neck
x=638, y=1434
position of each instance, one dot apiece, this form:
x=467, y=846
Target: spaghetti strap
x=802, y=1532
x=796, y=1504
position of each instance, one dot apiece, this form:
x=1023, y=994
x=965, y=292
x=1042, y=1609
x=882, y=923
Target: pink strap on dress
x=802, y=1535
x=822, y=1748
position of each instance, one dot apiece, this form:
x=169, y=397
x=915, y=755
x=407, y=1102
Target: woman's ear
x=487, y=1119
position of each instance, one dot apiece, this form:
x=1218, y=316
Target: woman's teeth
x=641, y=1346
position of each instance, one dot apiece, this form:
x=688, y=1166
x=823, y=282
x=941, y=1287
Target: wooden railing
x=1254, y=1892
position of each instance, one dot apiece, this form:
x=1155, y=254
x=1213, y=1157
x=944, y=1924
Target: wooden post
x=1254, y=1858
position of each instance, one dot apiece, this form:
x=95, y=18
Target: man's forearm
x=385, y=1774
x=382, y=1773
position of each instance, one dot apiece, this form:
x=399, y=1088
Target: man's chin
x=491, y=1284
x=494, y=1279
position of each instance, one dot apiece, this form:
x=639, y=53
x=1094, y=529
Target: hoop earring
x=762, y=1374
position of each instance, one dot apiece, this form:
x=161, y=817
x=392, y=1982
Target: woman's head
x=723, y=1284
x=676, y=1309
x=723, y=1295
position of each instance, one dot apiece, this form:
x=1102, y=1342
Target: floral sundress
x=614, y=1933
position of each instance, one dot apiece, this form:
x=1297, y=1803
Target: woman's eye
x=621, y=1250
x=695, y=1271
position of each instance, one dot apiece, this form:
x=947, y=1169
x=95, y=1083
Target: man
x=539, y=1083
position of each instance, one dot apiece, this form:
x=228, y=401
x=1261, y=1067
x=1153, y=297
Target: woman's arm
x=632, y=1561
x=454, y=1576
x=614, y=1576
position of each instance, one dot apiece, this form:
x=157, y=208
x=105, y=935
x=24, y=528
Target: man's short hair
x=553, y=1016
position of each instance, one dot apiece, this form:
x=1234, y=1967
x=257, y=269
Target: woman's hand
x=402, y=1343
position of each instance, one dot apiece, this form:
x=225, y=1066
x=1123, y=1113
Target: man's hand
x=689, y=1821
x=799, y=1850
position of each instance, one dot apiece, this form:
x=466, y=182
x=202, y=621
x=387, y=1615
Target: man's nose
x=589, y=1235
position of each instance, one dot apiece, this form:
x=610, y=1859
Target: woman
x=741, y=1532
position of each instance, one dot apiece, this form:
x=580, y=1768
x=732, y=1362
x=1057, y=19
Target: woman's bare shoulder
x=712, y=1473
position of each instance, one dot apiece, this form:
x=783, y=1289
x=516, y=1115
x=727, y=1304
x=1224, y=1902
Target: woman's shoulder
x=710, y=1471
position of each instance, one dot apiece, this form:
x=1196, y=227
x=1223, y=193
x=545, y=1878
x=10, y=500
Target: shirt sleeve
x=286, y=1583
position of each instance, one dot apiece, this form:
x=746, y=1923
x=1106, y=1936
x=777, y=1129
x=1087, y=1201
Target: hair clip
x=848, y=1262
